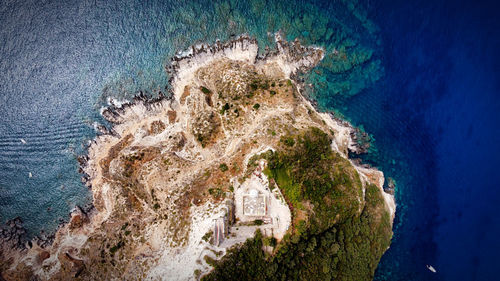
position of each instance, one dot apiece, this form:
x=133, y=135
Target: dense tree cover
x=347, y=251
x=307, y=170
x=341, y=240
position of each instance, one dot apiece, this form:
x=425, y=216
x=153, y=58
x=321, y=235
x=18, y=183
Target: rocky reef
x=232, y=161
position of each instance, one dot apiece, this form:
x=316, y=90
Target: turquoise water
x=61, y=60
x=420, y=77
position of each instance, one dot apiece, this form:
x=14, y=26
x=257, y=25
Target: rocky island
x=232, y=175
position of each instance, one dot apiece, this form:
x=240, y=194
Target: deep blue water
x=422, y=77
x=439, y=106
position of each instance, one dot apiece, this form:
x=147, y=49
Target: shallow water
x=61, y=60
x=421, y=77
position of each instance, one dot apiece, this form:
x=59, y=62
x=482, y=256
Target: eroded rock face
x=164, y=177
x=156, y=127
x=78, y=218
x=43, y=255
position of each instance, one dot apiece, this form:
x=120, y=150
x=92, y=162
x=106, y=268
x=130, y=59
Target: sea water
x=436, y=121
x=420, y=77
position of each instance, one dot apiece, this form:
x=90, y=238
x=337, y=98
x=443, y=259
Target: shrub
x=289, y=141
x=223, y=167
x=116, y=247
x=225, y=107
x=205, y=90
x=258, y=222
x=207, y=236
x=216, y=193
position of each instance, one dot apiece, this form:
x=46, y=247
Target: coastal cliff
x=232, y=174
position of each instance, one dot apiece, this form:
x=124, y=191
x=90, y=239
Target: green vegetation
x=339, y=239
x=262, y=84
x=254, y=85
x=269, y=241
x=216, y=193
x=116, y=247
x=223, y=167
x=224, y=108
x=258, y=222
x=256, y=106
x=205, y=90
x=307, y=170
x=347, y=251
x=207, y=236
x=289, y=140
x=210, y=260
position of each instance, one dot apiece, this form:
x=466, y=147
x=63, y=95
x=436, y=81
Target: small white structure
x=254, y=203
x=253, y=193
x=254, y=200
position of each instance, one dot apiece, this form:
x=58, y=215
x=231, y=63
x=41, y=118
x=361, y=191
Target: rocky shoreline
x=113, y=112
x=14, y=235
x=13, y=229
x=290, y=57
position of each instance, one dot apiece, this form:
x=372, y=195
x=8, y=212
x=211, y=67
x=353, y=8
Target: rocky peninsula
x=231, y=175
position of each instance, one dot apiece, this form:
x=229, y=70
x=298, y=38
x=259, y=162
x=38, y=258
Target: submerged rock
x=13, y=234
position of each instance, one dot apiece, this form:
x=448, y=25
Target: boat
x=30, y=174
x=431, y=268
x=23, y=141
